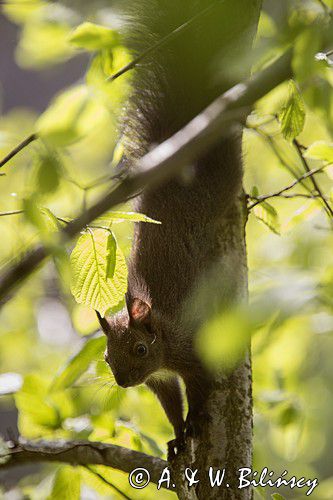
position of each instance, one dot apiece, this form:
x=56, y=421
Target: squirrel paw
x=175, y=446
x=194, y=426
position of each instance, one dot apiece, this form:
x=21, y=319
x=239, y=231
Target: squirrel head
x=134, y=348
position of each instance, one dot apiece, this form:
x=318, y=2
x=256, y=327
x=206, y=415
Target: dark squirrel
x=152, y=340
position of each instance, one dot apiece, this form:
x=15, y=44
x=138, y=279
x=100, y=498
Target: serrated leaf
x=90, y=283
x=320, y=150
x=92, y=36
x=78, y=364
x=66, y=484
x=116, y=216
x=292, y=116
x=267, y=214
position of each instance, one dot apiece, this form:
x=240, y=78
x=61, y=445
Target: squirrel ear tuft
x=139, y=311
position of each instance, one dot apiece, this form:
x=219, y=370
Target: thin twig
x=315, y=184
x=270, y=141
x=163, y=41
x=18, y=148
x=308, y=174
x=11, y=212
x=102, y=478
x=282, y=195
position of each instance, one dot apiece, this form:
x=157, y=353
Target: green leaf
x=277, y=496
x=90, y=283
x=292, y=117
x=289, y=414
x=224, y=350
x=320, y=150
x=111, y=254
x=71, y=116
x=110, y=217
x=306, y=46
x=43, y=44
x=254, y=191
x=92, y=36
x=307, y=211
x=267, y=214
x=78, y=364
x=36, y=413
x=48, y=173
x=67, y=484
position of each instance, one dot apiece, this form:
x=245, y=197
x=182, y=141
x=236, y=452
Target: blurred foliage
x=289, y=238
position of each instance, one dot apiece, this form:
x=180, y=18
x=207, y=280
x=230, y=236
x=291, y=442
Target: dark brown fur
x=169, y=260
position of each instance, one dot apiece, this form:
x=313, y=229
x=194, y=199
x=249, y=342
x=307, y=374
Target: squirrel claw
x=175, y=446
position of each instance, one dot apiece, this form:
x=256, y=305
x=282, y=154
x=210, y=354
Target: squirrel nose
x=121, y=379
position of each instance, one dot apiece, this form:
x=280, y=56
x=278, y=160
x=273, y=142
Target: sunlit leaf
x=79, y=363
x=35, y=411
x=71, y=116
x=306, y=46
x=320, y=150
x=277, y=496
x=302, y=214
x=116, y=216
x=43, y=44
x=92, y=36
x=67, y=484
x=223, y=340
x=267, y=214
x=289, y=414
x=90, y=283
x=292, y=117
x=84, y=319
x=21, y=11
x=48, y=173
x=111, y=255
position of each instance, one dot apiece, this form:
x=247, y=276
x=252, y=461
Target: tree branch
x=83, y=453
x=315, y=184
x=163, y=162
x=280, y=192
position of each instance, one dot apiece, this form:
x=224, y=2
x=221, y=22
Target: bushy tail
x=183, y=75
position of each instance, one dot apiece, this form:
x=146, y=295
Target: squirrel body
x=152, y=340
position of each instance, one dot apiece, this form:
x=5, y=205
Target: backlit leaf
x=92, y=36
x=67, y=484
x=90, y=283
x=292, y=116
x=267, y=214
x=79, y=363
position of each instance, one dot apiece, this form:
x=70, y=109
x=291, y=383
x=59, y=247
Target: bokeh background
x=289, y=253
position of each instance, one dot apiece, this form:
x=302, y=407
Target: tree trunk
x=225, y=441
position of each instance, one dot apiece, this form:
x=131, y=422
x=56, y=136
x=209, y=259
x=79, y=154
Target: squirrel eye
x=140, y=350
